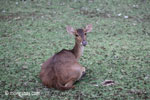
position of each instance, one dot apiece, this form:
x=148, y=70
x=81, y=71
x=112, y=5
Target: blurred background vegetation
x=118, y=47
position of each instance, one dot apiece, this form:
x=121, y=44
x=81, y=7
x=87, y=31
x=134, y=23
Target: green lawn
x=118, y=47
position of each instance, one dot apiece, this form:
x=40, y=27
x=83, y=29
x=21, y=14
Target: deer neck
x=78, y=50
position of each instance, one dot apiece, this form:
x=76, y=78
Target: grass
x=118, y=47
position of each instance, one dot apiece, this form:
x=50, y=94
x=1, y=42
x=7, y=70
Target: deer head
x=80, y=34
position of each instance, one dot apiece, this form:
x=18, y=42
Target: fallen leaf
x=108, y=83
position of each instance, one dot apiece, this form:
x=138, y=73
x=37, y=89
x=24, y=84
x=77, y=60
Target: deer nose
x=84, y=43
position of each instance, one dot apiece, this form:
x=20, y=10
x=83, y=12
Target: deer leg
x=83, y=73
x=70, y=84
x=83, y=69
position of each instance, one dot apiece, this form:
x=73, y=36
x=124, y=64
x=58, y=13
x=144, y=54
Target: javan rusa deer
x=62, y=70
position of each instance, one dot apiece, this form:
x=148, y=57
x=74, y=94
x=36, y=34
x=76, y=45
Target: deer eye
x=85, y=33
x=77, y=35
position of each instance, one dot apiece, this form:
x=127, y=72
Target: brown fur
x=62, y=70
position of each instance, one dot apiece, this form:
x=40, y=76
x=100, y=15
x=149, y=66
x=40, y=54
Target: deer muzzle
x=84, y=43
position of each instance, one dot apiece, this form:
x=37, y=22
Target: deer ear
x=88, y=28
x=70, y=30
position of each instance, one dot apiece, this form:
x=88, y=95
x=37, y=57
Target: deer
x=62, y=70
